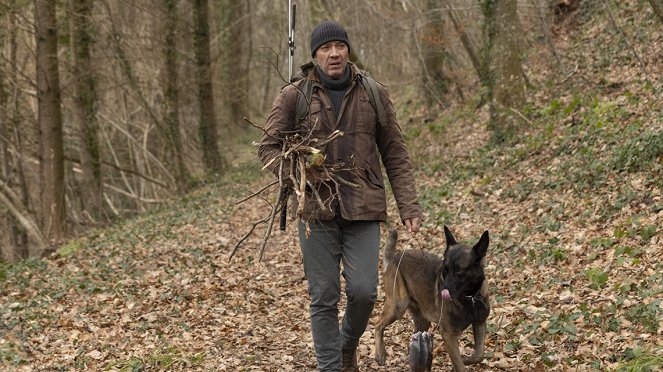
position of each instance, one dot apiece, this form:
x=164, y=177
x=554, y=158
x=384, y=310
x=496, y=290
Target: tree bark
x=171, y=94
x=7, y=247
x=212, y=159
x=49, y=120
x=465, y=40
x=236, y=50
x=502, y=73
x=509, y=84
x=18, y=236
x=433, y=56
x=87, y=103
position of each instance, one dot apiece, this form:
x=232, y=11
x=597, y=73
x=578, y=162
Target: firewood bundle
x=302, y=168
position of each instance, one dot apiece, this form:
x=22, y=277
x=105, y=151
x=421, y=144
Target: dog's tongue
x=445, y=295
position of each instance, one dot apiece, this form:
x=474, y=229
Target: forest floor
x=573, y=202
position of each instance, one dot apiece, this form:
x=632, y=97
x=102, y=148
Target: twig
x=333, y=136
x=302, y=186
x=521, y=115
x=246, y=237
x=275, y=209
x=318, y=199
x=569, y=75
x=257, y=192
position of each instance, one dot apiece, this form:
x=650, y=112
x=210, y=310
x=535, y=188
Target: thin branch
x=623, y=35
x=257, y=192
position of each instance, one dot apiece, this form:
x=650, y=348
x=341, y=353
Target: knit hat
x=325, y=32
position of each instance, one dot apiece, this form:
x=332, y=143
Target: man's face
x=332, y=57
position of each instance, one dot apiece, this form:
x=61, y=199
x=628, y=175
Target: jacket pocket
x=374, y=176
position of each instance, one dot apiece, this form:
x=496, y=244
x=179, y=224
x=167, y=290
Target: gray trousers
x=357, y=245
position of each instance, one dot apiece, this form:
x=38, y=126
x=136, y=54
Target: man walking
x=348, y=232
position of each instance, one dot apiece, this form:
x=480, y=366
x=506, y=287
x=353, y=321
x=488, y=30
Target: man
x=349, y=231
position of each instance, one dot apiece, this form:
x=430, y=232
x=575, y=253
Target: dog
x=420, y=352
x=451, y=291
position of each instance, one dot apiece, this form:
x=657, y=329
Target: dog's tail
x=390, y=247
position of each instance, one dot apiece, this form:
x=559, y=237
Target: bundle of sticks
x=302, y=166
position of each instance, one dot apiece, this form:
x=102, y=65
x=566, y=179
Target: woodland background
x=124, y=150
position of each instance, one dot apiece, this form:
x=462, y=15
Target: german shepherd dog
x=451, y=291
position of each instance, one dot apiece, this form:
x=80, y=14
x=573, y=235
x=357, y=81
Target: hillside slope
x=573, y=202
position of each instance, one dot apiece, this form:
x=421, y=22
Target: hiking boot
x=349, y=361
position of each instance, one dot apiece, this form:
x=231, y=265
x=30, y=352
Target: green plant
x=639, y=152
x=646, y=314
x=647, y=232
x=641, y=360
x=597, y=277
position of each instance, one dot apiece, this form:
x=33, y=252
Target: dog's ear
x=450, y=237
x=481, y=247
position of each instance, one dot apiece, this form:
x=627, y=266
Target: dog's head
x=462, y=270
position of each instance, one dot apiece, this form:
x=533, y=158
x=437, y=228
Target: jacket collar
x=355, y=72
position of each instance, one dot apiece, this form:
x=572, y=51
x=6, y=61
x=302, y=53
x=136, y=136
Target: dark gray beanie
x=325, y=32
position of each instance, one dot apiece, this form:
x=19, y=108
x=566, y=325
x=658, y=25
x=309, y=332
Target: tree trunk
x=657, y=5
x=433, y=55
x=236, y=48
x=87, y=103
x=487, y=72
x=171, y=94
x=465, y=40
x=509, y=84
x=502, y=73
x=49, y=120
x=7, y=247
x=212, y=159
x=19, y=236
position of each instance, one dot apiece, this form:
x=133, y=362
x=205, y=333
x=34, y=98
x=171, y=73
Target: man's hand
x=412, y=224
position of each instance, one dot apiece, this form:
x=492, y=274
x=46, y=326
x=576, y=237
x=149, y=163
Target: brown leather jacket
x=363, y=140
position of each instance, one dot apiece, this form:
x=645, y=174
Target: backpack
x=303, y=100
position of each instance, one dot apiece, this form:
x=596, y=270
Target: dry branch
x=307, y=171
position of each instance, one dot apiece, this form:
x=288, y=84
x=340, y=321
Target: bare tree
x=171, y=94
x=235, y=46
x=86, y=108
x=214, y=162
x=49, y=119
x=509, y=84
x=501, y=69
x=16, y=177
x=431, y=49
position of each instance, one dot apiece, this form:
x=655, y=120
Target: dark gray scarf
x=336, y=88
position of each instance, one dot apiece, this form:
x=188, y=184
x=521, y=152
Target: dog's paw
x=472, y=359
x=380, y=357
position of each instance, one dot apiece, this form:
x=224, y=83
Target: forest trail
x=573, y=203
x=575, y=279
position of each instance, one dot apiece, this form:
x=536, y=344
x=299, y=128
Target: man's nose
x=334, y=51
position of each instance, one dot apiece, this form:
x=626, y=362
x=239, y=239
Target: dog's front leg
x=479, y=330
x=451, y=345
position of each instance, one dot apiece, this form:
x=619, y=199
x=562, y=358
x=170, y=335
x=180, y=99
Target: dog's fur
x=451, y=291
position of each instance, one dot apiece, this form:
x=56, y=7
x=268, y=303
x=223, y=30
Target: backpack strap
x=304, y=100
x=371, y=87
x=306, y=87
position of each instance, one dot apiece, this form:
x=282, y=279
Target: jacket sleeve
x=397, y=162
x=281, y=120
